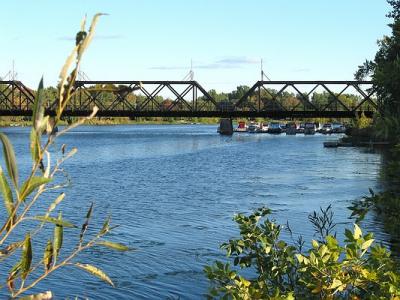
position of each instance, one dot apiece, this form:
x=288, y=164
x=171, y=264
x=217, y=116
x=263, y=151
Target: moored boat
x=274, y=128
x=291, y=128
x=310, y=128
x=253, y=127
x=242, y=127
x=263, y=128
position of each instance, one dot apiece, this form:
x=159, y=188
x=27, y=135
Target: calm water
x=174, y=190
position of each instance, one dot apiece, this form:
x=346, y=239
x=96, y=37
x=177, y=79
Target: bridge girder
x=190, y=99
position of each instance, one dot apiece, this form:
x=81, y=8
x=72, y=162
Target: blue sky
x=156, y=39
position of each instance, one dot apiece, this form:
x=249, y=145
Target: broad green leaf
x=357, y=232
x=335, y=284
x=48, y=255
x=9, y=157
x=6, y=191
x=58, y=237
x=112, y=245
x=299, y=257
x=95, y=271
x=54, y=221
x=367, y=244
x=38, y=108
x=26, y=257
x=32, y=184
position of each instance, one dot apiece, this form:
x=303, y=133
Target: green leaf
x=54, y=204
x=86, y=224
x=32, y=184
x=357, y=232
x=335, y=284
x=48, y=255
x=26, y=257
x=9, y=157
x=35, y=145
x=106, y=226
x=54, y=221
x=299, y=257
x=95, y=271
x=38, y=107
x=367, y=244
x=6, y=191
x=58, y=237
x=114, y=246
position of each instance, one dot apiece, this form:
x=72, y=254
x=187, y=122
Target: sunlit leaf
x=41, y=296
x=54, y=221
x=48, y=255
x=114, y=246
x=95, y=271
x=357, y=232
x=38, y=108
x=32, y=184
x=6, y=191
x=9, y=157
x=106, y=226
x=367, y=244
x=54, y=204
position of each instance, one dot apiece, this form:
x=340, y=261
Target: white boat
x=253, y=127
x=263, y=128
x=327, y=128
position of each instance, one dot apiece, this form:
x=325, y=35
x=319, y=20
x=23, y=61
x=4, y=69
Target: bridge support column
x=225, y=127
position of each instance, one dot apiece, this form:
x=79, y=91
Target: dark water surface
x=174, y=190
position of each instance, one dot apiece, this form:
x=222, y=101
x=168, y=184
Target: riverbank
x=25, y=121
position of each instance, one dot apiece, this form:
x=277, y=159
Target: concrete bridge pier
x=225, y=127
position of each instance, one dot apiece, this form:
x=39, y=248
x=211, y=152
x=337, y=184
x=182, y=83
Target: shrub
x=266, y=267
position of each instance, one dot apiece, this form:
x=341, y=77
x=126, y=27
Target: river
x=174, y=189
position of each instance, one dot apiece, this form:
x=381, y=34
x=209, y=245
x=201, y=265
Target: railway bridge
x=272, y=99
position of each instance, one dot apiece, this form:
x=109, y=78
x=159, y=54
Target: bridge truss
x=277, y=99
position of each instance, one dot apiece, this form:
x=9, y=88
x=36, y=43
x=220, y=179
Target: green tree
x=384, y=69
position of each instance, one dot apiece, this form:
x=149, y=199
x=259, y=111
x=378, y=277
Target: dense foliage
x=267, y=267
x=384, y=69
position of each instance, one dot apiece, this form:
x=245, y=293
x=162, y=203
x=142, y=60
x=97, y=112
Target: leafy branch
x=20, y=199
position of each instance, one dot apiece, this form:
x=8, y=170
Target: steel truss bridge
x=189, y=99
